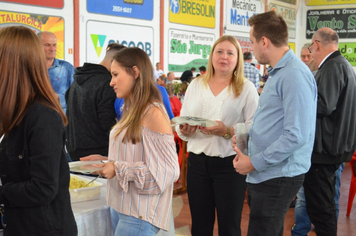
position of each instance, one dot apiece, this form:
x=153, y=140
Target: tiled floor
x=346, y=225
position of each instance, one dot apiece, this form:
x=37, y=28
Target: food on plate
x=75, y=183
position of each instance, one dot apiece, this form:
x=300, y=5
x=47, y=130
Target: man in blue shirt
x=250, y=71
x=60, y=72
x=282, y=133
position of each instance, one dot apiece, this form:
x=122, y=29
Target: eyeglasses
x=312, y=44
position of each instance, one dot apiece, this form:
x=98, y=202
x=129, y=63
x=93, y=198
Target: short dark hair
x=193, y=69
x=202, y=68
x=114, y=46
x=269, y=25
x=247, y=56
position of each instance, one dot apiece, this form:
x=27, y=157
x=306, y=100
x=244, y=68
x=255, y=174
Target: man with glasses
x=335, y=137
x=305, y=54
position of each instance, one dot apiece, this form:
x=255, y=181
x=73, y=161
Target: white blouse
x=201, y=102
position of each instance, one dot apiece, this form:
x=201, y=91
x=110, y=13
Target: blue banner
x=140, y=9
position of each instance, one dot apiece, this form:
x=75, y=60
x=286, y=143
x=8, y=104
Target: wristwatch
x=227, y=135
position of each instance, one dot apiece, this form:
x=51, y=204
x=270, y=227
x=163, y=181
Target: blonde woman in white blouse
x=143, y=163
x=225, y=96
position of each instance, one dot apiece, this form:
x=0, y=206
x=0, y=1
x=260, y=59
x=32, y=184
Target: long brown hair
x=237, y=77
x=143, y=92
x=24, y=77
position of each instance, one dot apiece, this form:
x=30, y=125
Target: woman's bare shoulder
x=156, y=120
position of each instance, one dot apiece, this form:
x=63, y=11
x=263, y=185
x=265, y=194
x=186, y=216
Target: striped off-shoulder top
x=145, y=174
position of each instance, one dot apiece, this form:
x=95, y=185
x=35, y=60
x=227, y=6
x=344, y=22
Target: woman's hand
x=95, y=157
x=218, y=130
x=108, y=170
x=187, y=130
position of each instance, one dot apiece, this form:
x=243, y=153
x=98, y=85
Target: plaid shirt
x=252, y=74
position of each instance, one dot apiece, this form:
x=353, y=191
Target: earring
x=235, y=73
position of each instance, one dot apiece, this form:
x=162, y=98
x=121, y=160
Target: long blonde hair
x=237, y=77
x=143, y=92
x=23, y=77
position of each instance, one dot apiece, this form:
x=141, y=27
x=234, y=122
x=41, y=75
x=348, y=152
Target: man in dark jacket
x=187, y=74
x=335, y=137
x=90, y=108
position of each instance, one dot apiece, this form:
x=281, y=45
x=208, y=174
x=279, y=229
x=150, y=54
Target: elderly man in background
x=335, y=137
x=305, y=55
x=170, y=77
x=60, y=72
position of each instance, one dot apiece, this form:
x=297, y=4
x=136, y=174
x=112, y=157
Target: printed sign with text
x=188, y=49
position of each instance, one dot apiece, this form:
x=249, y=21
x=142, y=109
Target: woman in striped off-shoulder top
x=143, y=163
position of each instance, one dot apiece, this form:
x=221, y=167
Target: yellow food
x=78, y=183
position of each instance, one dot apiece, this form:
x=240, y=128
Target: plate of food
x=193, y=121
x=84, y=167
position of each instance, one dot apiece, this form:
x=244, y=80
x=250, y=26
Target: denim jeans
x=124, y=225
x=269, y=202
x=302, y=221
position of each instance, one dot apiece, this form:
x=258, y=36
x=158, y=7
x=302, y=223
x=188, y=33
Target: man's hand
x=242, y=163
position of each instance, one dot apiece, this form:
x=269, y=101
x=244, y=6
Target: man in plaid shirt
x=250, y=71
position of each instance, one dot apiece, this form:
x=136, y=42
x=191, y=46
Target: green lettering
x=173, y=45
x=313, y=21
x=189, y=10
x=352, y=22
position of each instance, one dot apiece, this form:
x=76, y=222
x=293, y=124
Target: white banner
x=188, y=49
x=239, y=11
x=100, y=34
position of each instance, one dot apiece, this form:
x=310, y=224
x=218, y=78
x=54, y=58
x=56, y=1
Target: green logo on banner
x=98, y=41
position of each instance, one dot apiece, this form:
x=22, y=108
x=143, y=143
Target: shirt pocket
x=16, y=163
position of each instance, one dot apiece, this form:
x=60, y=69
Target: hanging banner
x=37, y=23
x=139, y=9
x=342, y=20
x=239, y=11
x=288, y=15
x=291, y=46
x=328, y=2
x=348, y=50
x=193, y=12
x=100, y=34
x=245, y=44
x=188, y=49
x=42, y=3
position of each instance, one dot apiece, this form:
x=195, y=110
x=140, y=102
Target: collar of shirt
x=55, y=63
x=283, y=61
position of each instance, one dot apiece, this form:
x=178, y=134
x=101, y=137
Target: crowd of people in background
x=294, y=114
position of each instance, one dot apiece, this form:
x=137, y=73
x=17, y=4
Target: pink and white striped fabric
x=145, y=174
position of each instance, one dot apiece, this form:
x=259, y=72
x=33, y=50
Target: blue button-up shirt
x=283, y=129
x=61, y=76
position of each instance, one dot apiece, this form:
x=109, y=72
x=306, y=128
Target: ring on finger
x=209, y=133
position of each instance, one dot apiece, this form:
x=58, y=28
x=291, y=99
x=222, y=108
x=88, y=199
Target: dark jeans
x=212, y=183
x=319, y=189
x=269, y=202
